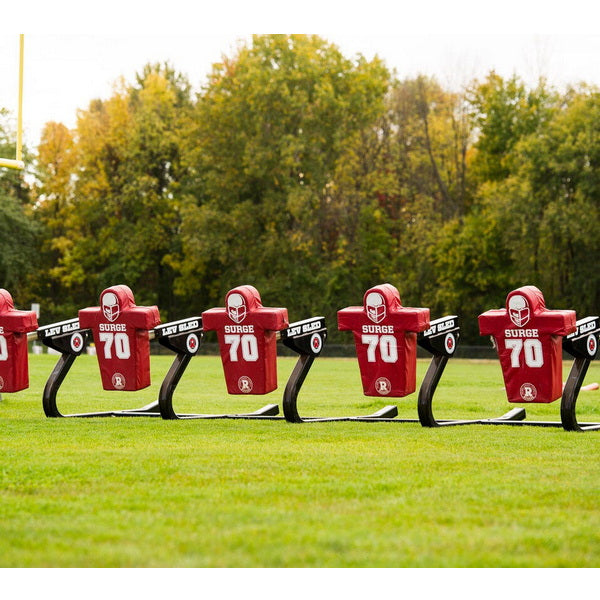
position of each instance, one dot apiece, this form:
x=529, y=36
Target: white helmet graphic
x=236, y=307
x=110, y=306
x=518, y=310
x=375, y=306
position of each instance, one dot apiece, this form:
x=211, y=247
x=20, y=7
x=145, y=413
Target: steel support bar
x=569, y=398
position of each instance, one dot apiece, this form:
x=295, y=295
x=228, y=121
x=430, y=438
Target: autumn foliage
x=312, y=176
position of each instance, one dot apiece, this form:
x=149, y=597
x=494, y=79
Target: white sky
x=455, y=41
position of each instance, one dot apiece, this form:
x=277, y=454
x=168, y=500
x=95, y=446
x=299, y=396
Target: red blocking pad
x=528, y=339
x=120, y=332
x=14, y=327
x=385, y=335
x=246, y=331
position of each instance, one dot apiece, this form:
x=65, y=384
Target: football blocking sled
x=248, y=333
x=529, y=339
x=121, y=331
x=386, y=335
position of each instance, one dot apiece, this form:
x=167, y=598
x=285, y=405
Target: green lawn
x=128, y=492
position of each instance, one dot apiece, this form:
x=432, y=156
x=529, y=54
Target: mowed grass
x=143, y=492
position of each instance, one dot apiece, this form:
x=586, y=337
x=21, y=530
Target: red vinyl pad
x=14, y=326
x=120, y=331
x=385, y=334
x=246, y=331
x=528, y=340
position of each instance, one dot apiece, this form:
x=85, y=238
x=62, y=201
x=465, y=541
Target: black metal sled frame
x=440, y=340
x=309, y=335
x=582, y=344
x=70, y=340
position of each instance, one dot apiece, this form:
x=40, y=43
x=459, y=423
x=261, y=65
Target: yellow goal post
x=17, y=162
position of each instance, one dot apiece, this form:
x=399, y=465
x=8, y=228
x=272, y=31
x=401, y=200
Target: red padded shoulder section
x=246, y=333
x=386, y=340
x=382, y=303
x=526, y=308
x=14, y=326
x=120, y=331
x=117, y=302
x=528, y=340
x=18, y=321
x=240, y=303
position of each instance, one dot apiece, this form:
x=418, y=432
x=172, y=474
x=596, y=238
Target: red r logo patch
x=383, y=386
x=118, y=381
x=528, y=392
x=245, y=384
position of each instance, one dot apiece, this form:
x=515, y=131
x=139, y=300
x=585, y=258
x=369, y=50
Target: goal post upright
x=18, y=163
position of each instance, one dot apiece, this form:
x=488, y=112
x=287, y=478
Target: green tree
x=560, y=213
x=17, y=230
x=475, y=260
x=53, y=210
x=271, y=125
x=400, y=180
x=504, y=111
x=535, y=216
x=110, y=198
x=484, y=252
x=313, y=176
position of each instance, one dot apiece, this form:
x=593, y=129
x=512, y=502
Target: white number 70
x=532, y=349
x=387, y=347
x=121, y=342
x=248, y=344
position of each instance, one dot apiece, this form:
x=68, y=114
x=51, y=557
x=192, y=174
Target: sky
x=69, y=62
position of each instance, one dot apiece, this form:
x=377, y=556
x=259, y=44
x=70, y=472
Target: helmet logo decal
x=110, y=306
x=518, y=310
x=375, y=306
x=236, y=307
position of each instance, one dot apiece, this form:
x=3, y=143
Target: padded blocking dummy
x=528, y=340
x=120, y=331
x=247, y=340
x=385, y=334
x=14, y=326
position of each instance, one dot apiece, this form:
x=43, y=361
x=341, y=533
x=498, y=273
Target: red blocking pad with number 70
x=14, y=326
x=528, y=339
x=120, y=332
x=246, y=331
x=385, y=335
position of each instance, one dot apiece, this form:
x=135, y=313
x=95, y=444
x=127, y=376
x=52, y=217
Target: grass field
x=125, y=492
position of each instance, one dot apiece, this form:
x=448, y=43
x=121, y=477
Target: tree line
x=311, y=176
